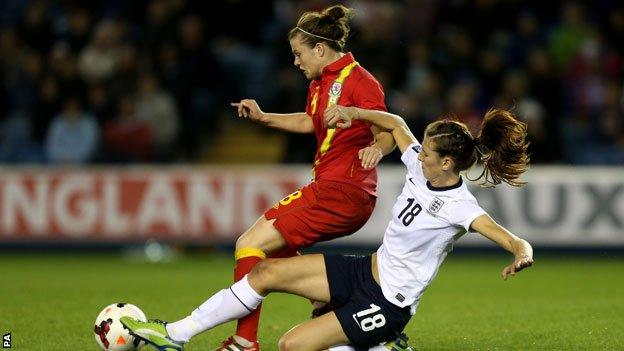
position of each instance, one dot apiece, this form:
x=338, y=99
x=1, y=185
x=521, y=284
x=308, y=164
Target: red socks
x=247, y=326
x=246, y=259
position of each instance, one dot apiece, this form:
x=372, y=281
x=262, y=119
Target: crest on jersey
x=335, y=89
x=436, y=205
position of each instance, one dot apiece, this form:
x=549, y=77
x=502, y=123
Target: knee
x=245, y=240
x=288, y=343
x=261, y=236
x=267, y=269
x=265, y=274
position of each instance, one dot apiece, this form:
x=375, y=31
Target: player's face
x=431, y=160
x=306, y=58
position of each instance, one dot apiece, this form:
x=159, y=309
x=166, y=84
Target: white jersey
x=425, y=223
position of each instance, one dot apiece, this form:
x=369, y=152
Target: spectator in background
x=491, y=68
x=124, y=81
x=421, y=50
x=79, y=25
x=101, y=103
x=199, y=80
x=567, y=37
x=22, y=86
x=16, y=143
x=99, y=59
x=418, y=66
x=73, y=134
x=528, y=35
x=611, y=120
x=461, y=103
x=159, y=25
x=156, y=107
x=35, y=27
x=126, y=138
x=49, y=104
x=63, y=66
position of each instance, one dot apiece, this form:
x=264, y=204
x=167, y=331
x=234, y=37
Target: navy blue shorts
x=365, y=315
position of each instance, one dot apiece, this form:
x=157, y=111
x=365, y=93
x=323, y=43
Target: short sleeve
x=410, y=158
x=369, y=95
x=463, y=213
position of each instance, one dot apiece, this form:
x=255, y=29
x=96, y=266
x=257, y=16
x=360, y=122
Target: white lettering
x=115, y=222
x=16, y=202
x=204, y=202
x=82, y=222
x=160, y=205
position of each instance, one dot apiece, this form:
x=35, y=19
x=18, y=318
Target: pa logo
x=6, y=341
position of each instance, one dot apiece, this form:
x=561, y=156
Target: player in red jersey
x=342, y=195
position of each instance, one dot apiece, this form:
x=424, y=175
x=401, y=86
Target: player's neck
x=333, y=57
x=444, y=180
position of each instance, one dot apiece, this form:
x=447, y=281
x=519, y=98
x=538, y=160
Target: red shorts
x=320, y=211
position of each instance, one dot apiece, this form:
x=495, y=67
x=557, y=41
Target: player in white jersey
x=375, y=296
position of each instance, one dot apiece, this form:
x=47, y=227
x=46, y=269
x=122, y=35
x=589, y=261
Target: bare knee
x=265, y=275
x=263, y=236
x=244, y=241
x=250, y=238
x=289, y=342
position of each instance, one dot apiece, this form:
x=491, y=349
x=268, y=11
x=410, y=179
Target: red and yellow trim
x=249, y=252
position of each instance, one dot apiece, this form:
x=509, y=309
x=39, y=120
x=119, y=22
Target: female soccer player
x=342, y=196
x=375, y=296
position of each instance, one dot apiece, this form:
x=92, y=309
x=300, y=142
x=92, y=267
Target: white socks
x=227, y=305
x=341, y=348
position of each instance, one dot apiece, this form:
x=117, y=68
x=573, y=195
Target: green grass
x=49, y=302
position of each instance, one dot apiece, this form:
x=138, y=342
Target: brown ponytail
x=501, y=146
x=330, y=26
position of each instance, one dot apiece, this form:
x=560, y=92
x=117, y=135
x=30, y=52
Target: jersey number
x=288, y=199
x=369, y=323
x=410, y=212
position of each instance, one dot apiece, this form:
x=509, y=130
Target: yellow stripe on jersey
x=328, y=139
x=333, y=99
x=314, y=100
x=249, y=252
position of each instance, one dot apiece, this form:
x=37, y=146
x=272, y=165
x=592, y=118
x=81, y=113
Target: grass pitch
x=50, y=301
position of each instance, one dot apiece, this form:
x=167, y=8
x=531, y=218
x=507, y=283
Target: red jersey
x=337, y=151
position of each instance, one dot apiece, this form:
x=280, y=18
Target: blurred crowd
x=113, y=81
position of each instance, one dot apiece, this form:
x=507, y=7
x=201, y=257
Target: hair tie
x=483, y=155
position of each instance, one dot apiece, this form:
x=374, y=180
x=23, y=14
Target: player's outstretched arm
x=341, y=117
x=522, y=250
x=298, y=122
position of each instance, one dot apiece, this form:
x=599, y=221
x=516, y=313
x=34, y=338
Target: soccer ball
x=109, y=332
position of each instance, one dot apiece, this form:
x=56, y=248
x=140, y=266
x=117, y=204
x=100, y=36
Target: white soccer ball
x=109, y=332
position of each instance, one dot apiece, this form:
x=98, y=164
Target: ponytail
x=502, y=148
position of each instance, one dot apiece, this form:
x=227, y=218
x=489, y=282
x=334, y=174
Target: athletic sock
x=226, y=305
x=247, y=327
x=341, y=348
